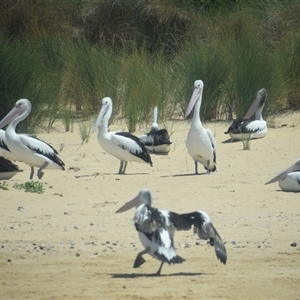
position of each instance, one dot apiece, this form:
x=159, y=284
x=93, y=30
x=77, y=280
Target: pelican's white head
x=106, y=109
x=198, y=84
x=22, y=106
x=144, y=197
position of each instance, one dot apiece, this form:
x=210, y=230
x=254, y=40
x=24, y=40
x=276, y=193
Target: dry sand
x=70, y=244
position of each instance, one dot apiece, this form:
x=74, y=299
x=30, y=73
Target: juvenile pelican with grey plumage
x=156, y=230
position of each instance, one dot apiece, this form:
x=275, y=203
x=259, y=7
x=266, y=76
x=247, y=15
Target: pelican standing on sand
x=289, y=179
x=200, y=143
x=4, y=150
x=156, y=140
x=156, y=230
x=252, y=125
x=29, y=150
x=122, y=145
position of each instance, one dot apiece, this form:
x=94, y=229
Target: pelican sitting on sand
x=156, y=140
x=7, y=169
x=289, y=179
x=252, y=125
x=156, y=230
x=200, y=143
x=122, y=145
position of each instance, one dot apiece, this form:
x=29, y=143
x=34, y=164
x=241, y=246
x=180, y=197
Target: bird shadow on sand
x=95, y=175
x=138, y=275
x=281, y=191
x=126, y=174
x=229, y=141
x=184, y=175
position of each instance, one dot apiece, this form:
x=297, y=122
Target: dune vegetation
x=65, y=56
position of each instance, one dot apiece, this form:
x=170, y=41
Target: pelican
x=29, y=150
x=289, y=179
x=122, y=145
x=4, y=151
x=156, y=230
x=156, y=140
x=7, y=169
x=252, y=125
x=200, y=143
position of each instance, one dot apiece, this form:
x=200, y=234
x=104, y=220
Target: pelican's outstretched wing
x=203, y=227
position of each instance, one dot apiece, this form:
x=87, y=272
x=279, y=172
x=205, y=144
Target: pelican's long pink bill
x=194, y=98
x=100, y=117
x=282, y=175
x=258, y=102
x=10, y=116
x=133, y=203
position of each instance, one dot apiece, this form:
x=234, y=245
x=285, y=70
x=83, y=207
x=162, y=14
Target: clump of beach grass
x=31, y=187
x=205, y=62
x=84, y=131
x=4, y=186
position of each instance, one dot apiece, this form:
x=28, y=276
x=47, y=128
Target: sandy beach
x=68, y=243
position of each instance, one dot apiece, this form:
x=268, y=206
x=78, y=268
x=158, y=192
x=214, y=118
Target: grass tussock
x=65, y=56
x=4, y=186
x=31, y=187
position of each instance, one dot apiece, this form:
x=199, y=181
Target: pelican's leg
x=31, y=173
x=39, y=172
x=139, y=258
x=196, y=167
x=159, y=270
x=121, y=167
x=125, y=166
x=207, y=165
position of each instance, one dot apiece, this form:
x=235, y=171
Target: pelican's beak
x=155, y=113
x=100, y=117
x=258, y=102
x=195, y=96
x=11, y=115
x=282, y=175
x=133, y=203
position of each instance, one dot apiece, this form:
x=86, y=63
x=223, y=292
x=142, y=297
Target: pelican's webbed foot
x=207, y=168
x=40, y=172
x=139, y=260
